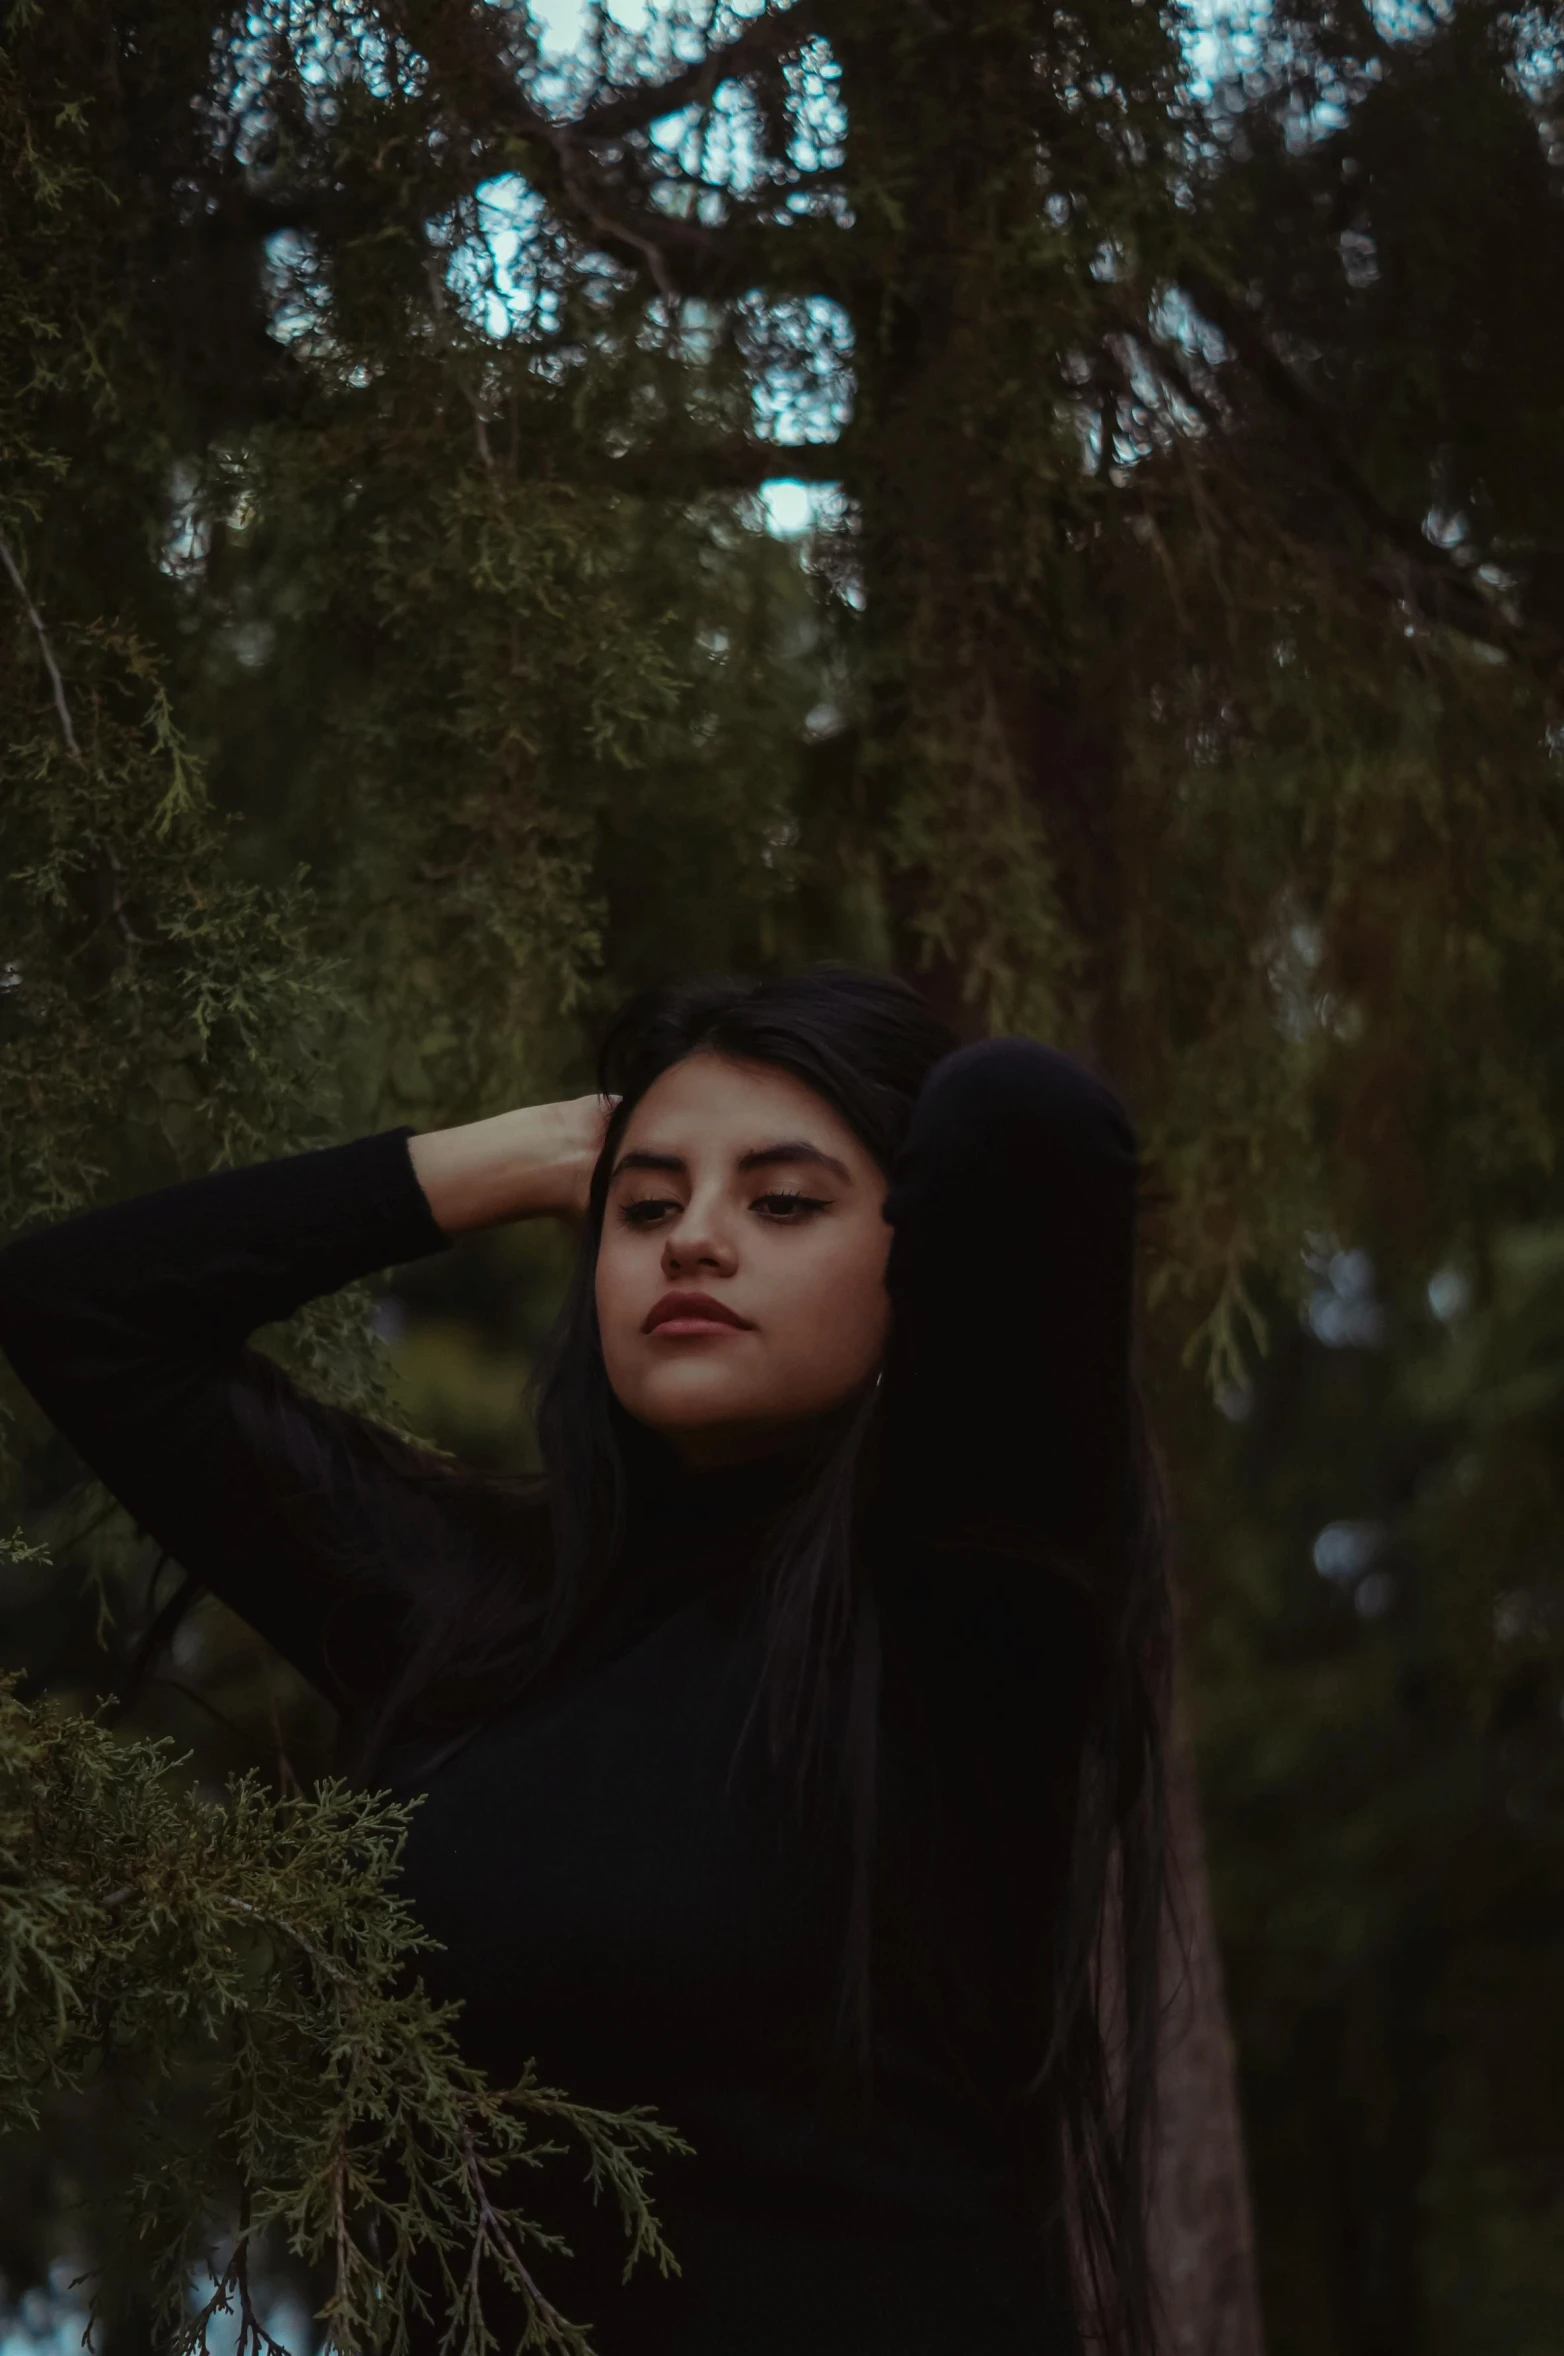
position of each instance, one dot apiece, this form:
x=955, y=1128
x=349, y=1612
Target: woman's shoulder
x=497, y=1517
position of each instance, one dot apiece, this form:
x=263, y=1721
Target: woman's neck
x=716, y=1447
x=712, y=1483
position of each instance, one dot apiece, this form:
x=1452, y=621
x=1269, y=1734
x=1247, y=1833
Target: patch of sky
x=804, y=383
x=1223, y=41
x=1374, y=1594
x=48, y=2320
x=1174, y=318
x=295, y=285
x=715, y=153
x=800, y=351
x=778, y=842
x=562, y=25
x=1345, y=1553
x=1446, y=531
x=1344, y=1550
x=328, y=48
x=1452, y=532
x=492, y=272
x=792, y=509
x=252, y=644
x=1292, y=969
x=1449, y=1294
x=639, y=40
x=187, y=534
x=721, y=145
x=682, y=33
x=1359, y=258
x=819, y=117
x=287, y=2322
x=625, y=41
x=1539, y=58
x=1229, y=44
x=1343, y=1309
x=1237, y=50
x=1233, y=49
x=187, y=539
x=1529, y=1615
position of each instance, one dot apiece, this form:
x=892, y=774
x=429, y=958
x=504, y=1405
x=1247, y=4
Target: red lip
x=697, y=1312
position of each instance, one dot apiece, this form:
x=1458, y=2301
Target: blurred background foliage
x=1375, y=1619
x=399, y=659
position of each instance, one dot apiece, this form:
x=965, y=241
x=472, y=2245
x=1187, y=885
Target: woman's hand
x=533, y=1163
x=570, y=1136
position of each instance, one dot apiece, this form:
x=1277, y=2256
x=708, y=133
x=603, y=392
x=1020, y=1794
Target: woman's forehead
x=715, y=1103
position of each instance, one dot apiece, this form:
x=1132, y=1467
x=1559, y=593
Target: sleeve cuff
x=406, y=1217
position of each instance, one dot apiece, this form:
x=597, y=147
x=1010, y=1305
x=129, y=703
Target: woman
x=780, y=1747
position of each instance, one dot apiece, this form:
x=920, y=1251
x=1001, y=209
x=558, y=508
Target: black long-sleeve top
x=608, y=1902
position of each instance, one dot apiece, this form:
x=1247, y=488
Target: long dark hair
x=865, y=1044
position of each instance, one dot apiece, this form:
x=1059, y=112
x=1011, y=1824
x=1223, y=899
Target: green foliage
x=392, y=672
x=1385, y=1804
x=150, y=1932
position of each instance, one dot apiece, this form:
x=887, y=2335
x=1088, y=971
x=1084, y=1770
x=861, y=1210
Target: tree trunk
x=1202, y=2231
x=985, y=772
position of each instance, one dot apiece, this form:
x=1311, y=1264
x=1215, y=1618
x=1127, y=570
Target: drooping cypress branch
x=152, y=1938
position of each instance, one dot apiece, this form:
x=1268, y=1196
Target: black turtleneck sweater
x=609, y=1902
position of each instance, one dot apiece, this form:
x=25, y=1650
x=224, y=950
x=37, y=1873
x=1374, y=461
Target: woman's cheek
x=823, y=1317
x=840, y=1321
x=620, y=1288
x=873, y=1326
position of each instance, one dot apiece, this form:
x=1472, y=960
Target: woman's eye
x=647, y=1212
x=793, y=1209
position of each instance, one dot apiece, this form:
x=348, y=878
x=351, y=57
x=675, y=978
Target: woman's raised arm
x=128, y=1325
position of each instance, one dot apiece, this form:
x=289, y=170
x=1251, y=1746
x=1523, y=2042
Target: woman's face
x=741, y=1272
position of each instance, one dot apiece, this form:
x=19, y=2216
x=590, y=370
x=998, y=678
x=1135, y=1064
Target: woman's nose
x=697, y=1240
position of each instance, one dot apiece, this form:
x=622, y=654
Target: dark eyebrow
x=766, y=1157
x=647, y=1161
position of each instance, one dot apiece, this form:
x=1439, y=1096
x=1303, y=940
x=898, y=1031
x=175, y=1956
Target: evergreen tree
x=152, y=1936
x=393, y=668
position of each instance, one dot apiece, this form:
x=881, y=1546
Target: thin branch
x=1464, y=604
x=117, y=903
x=764, y=37
x=442, y=324
x=1361, y=18
x=679, y=470
x=682, y=257
x=116, y=873
x=1414, y=569
x=582, y=183
x=45, y=649
x=466, y=47
x=272, y=1921
x=765, y=207
x=493, y=2234
x=254, y=2339
x=339, y=2209
x=1174, y=368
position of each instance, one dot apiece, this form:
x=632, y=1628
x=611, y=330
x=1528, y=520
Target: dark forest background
x=1065, y=502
